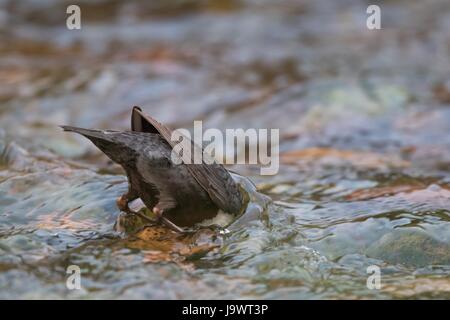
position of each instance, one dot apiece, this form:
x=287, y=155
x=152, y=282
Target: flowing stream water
x=364, y=119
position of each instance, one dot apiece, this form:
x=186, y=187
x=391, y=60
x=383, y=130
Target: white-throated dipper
x=185, y=194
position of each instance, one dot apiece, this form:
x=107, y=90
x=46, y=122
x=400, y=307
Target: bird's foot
x=122, y=203
x=158, y=212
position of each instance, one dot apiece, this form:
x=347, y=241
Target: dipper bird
x=184, y=194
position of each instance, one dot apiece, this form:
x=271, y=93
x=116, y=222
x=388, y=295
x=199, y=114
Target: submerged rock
x=413, y=248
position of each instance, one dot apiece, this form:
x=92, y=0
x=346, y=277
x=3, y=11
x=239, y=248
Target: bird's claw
x=122, y=203
x=158, y=212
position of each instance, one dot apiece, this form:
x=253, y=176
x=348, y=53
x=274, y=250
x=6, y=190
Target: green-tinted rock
x=414, y=248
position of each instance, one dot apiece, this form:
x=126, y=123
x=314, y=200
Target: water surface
x=364, y=122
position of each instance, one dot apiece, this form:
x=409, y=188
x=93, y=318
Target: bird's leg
x=158, y=211
x=172, y=225
x=122, y=201
x=165, y=203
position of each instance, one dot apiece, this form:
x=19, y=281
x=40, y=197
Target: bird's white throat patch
x=222, y=219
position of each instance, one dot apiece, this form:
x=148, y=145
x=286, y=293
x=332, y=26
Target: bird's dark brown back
x=213, y=178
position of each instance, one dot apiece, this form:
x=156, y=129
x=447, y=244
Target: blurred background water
x=364, y=118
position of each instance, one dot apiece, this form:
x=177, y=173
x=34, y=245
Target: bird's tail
x=88, y=133
x=109, y=142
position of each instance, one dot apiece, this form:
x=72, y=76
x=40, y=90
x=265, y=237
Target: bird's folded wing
x=213, y=178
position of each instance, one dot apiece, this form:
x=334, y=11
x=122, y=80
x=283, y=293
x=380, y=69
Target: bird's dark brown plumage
x=185, y=193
